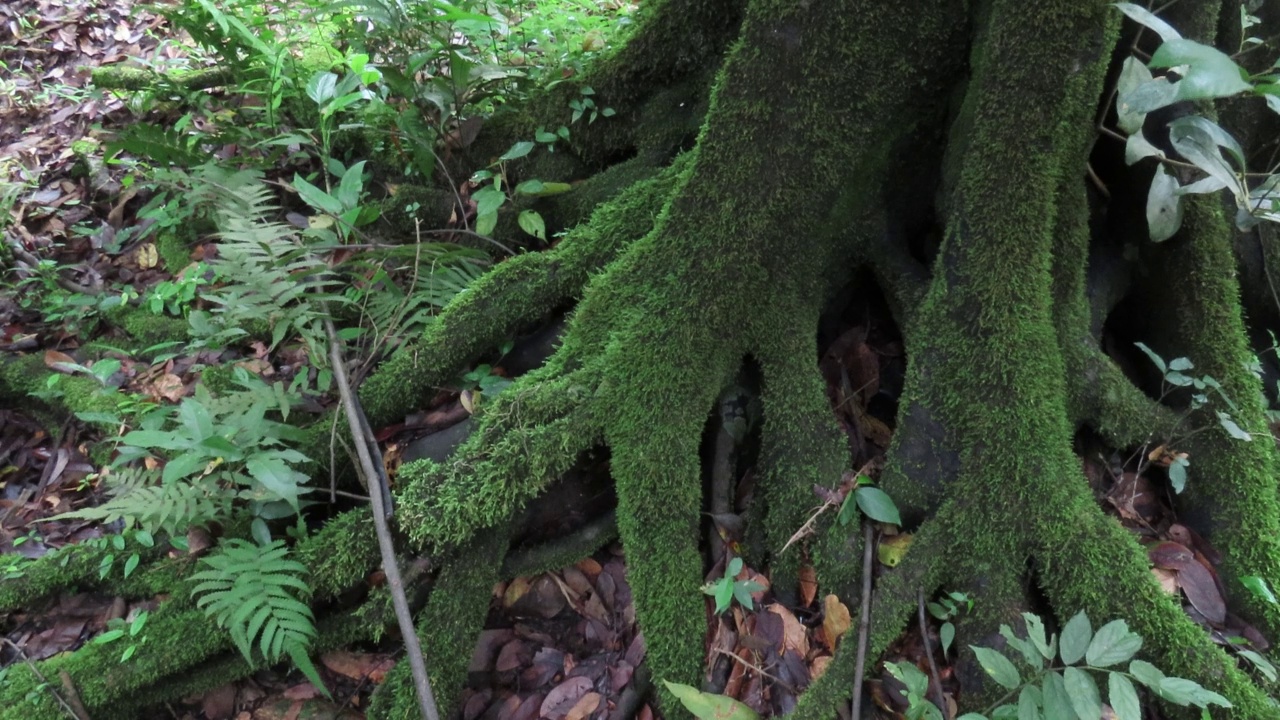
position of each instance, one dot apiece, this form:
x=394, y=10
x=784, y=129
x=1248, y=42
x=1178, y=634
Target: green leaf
x=532, y=223
x=131, y=564
x=1259, y=587
x=1123, y=697
x=1197, y=144
x=275, y=476
x=518, y=150
x=321, y=86
x=1232, y=428
x=1029, y=703
x=1132, y=75
x=351, y=185
x=1181, y=691
x=1164, y=206
x=998, y=667
x=1036, y=634
x=706, y=706
x=1263, y=665
x=1143, y=16
x=108, y=636
x=1054, y=699
x=1075, y=638
x=1112, y=644
x=1137, y=148
x=877, y=505
x=947, y=634
x=185, y=465
x=315, y=197
x=1028, y=650
x=1148, y=96
x=1146, y=673
x=298, y=654
x=723, y=594
x=1178, y=477
x=1210, y=73
x=1083, y=692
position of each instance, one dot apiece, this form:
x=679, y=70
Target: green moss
x=147, y=328
x=447, y=629
x=174, y=251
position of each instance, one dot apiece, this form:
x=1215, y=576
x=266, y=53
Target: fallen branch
x=376, y=485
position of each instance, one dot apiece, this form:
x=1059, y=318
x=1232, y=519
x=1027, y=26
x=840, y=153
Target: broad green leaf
x=1259, y=587
x=1137, y=148
x=947, y=634
x=1143, y=16
x=998, y=667
x=350, y=186
x=1083, y=692
x=1029, y=703
x=734, y=567
x=877, y=505
x=108, y=636
x=724, y=594
x=1112, y=644
x=706, y=706
x=315, y=197
x=1132, y=75
x=1164, y=206
x=488, y=199
x=1148, y=96
x=131, y=564
x=1075, y=638
x=1209, y=72
x=155, y=439
x=185, y=465
x=1054, y=699
x=1198, y=146
x=1123, y=697
x=321, y=86
x=1146, y=673
x=518, y=150
x=275, y=476
x=1220, y=137
x=532, y=223
x=1181, y=691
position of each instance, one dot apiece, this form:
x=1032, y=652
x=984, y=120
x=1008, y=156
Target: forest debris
x=836, y=621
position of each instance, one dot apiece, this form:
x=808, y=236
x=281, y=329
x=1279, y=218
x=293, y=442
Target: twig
x=376, y=481
x=864, y=619
x=36, y=671
x=759, y=670
x=928, y=652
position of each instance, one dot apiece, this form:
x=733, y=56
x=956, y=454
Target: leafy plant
x=118, y=628
x=1194, y=72
x=1174, y=375
x=871, y=501
x=945, y=608
x=490, y=196
x=729, y=588
x=252, y=591
x=1059, y=679
x=709, y=706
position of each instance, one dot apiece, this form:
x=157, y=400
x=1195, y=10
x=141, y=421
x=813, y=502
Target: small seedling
x=728, y=588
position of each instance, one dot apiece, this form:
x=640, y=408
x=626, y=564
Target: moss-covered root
x=1231, y=493
x=448, y=628
x=120, y=77
x=514, y=294
x=1086, y=561
x=801, y=446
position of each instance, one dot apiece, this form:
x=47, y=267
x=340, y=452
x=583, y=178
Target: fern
x=172, y=508
x=252, y=591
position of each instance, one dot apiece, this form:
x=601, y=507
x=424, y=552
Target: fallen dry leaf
x=835, y=621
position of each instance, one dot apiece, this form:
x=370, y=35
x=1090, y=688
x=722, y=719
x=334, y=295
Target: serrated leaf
x=1083, y=692
x=1112, y=644
x=998, y=667
x=1123, y=697
x=1075, y=639
x=1036, y=634
x=877, y=505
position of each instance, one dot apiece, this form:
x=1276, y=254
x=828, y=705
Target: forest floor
x=559, y=645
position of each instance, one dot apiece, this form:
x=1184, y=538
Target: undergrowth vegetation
x=266, y=155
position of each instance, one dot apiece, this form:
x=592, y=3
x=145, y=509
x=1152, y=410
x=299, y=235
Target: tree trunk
x=940, y=150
